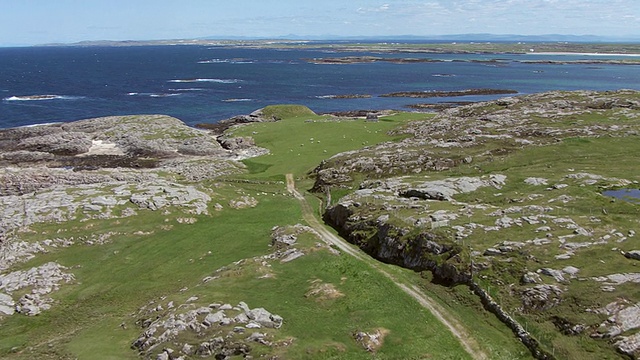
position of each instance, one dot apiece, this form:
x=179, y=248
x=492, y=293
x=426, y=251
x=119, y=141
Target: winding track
x=457, y=329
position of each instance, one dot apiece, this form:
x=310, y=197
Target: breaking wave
x=229, y=61
x=237, y=100
x=188, y=89
x=42, y=97
x=220, y=81
x=154, y=95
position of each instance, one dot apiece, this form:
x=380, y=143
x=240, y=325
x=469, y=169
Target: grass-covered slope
x=516, y=210
x=145, y=275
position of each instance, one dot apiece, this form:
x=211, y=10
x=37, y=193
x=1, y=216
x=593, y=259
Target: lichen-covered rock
x=541, y=297
x=42, y=280
x=219, y=324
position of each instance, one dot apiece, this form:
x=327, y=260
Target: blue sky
x=26, y=22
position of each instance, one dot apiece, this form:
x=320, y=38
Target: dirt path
x=457, y=329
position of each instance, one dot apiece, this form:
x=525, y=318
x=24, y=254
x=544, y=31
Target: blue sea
x=206, y=84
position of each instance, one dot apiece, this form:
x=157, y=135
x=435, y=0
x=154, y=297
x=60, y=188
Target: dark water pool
x=631, y=195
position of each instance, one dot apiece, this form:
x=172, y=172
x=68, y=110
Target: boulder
x=264, y=318
x=424, y=194
x=531, y=278
x=556, y=274
x=536, y=181
x=541, y=297
x=237, y=143
x=214, y=318
x=633, y=254
x=7, y=305
x=630, y=345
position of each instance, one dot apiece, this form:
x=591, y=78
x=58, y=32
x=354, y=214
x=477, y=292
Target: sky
x=30, y=22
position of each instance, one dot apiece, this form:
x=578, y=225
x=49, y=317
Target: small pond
x=630, y=195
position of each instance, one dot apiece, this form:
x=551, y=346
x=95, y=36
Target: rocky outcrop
x=447, y=262
x=467, y=92
x=130, y=136
x=510, y=123
x=185, y=327
x=42, y=281
x=385, y=242
x=541, y=297
x=221, y=126
x=237, y=143
x=99, y=199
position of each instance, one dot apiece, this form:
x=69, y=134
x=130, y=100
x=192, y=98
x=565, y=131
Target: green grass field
x=94, y=317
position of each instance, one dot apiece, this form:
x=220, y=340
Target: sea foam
x=220, y=81
x=42, y=97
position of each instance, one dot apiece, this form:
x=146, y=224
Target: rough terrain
x=501, y=201
x=479, y=196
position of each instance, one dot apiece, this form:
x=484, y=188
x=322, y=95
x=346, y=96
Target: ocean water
x=206, y=84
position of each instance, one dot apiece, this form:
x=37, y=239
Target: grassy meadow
x=152, y=258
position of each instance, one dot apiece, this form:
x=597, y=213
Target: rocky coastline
x=433, y=94
x=374, y=59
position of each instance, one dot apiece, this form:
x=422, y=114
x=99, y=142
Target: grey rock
x=571, y=271
x=7, y=305
x=253, y=325
x=292, y=256
x=264, y=318
x=629, y=345
x=556, y=274
x=214, y=318
x=541, y=297
x=187, y=349
x=243, y=306
x=255, y=336
x=241, y=318
x=237, y=143
x=531, y=278
x=492, y=252
x=582, y=231
x=536, y=181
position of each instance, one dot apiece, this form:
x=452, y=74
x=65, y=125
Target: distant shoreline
x=581, y=54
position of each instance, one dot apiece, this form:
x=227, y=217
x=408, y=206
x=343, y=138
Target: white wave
x=443, y=75
x=230, y=61
x=220, y=81
x=43, y=124
x=42, y=97
x=154, y=95
x=163, y=95
x=188, y=89
x=326, y=96
x=237, y=100
x=213, y=61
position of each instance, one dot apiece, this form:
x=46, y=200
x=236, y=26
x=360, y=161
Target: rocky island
x=485, y=225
